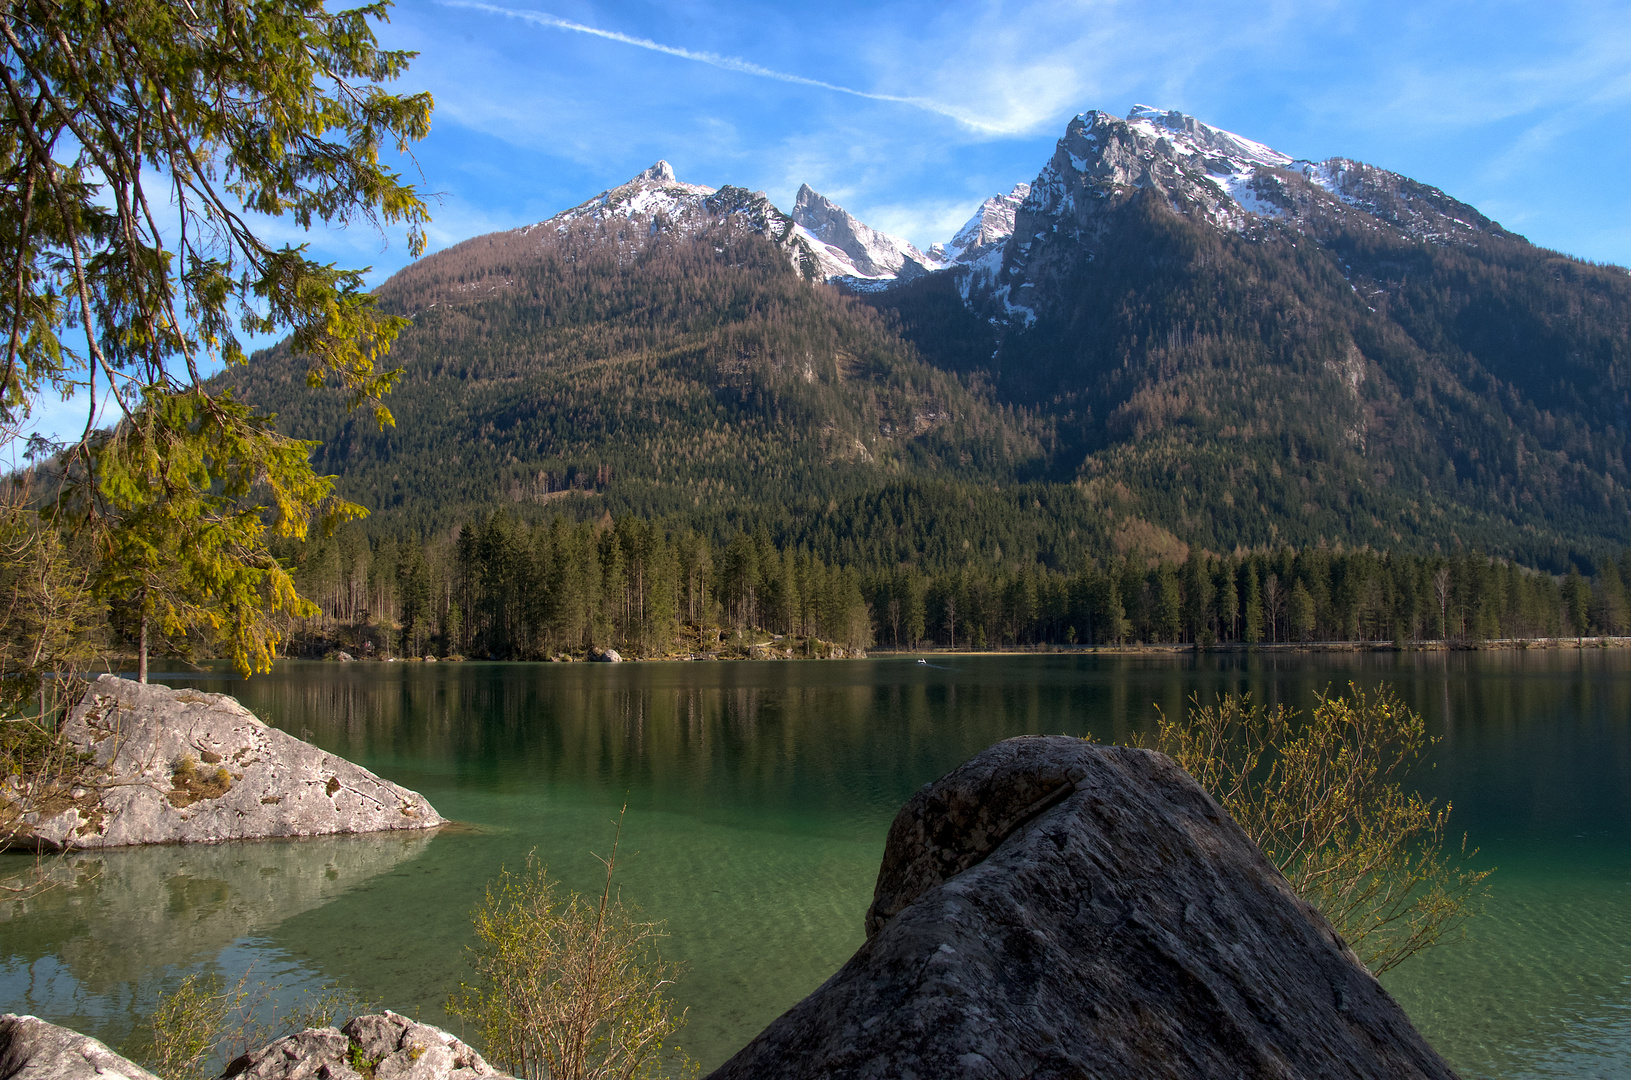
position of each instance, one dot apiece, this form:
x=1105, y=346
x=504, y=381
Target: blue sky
x=1521, y=109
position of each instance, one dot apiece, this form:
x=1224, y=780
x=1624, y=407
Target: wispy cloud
x=736, y=64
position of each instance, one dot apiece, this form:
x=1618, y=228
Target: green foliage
x=117, y=118
x=202, y=1023
x=568, y=988
x=136, y=140
x=1324, y=800
x=50, y=630
x=507, y=589
x=182, y=542
x=190, y=1024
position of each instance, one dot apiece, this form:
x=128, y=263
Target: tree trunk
x=141, y=660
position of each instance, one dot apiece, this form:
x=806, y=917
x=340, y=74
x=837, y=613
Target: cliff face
x=1054, y=908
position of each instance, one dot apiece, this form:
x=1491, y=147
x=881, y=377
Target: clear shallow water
x=759, y=795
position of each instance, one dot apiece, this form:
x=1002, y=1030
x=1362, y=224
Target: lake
x=758, y=797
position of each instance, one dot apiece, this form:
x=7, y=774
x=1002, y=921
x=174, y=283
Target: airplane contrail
x=727, y=63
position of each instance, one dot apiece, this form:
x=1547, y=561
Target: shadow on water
x=759, y=794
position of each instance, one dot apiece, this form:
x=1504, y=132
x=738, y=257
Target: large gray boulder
x=1059, y=909
x=387, y=1046
x=31, y=1049
x=181, y=765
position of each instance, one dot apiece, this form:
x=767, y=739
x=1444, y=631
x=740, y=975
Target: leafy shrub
x=1323, y=799
x=568, y=988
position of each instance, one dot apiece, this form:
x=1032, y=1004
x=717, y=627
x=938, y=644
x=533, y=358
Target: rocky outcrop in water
x=384, y=1045
x=1058, y=909
x=175, y=766
x=31, y=1049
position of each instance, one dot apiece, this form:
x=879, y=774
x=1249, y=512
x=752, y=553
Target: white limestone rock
x=180, y=766
x=32, y=1049
x=391, y=1047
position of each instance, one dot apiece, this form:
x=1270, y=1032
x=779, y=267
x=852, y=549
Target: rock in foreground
x=1058, y=909
x=180, y=765
x=31, y=1049
x=385, y=1045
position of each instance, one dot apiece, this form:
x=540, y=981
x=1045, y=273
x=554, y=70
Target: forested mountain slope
x=1267, y=351
x=697, y=373
x=1189, y=339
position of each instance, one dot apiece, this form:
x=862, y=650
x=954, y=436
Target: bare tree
x=1441, y=592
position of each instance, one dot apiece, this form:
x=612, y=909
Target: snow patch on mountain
x=654, y=201
x=989, y=228
x=1202, y=172
x=847, y=248
x=1223, y=152
x=644, y=196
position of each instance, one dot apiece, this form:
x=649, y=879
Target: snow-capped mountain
x=848, y=249
x=655, y=201
x=819, y=237
x=988, y=230
x=1201, y=172
x=1017, y=246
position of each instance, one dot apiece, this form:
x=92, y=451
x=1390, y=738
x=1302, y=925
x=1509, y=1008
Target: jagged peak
x=847, y=247
x=662, y=172
x=990, y=227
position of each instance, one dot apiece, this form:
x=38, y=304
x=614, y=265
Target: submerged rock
x=32, y=1049
x=180, y=765
x=385, y=1046
x=1059, y=909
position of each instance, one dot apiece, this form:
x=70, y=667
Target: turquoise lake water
x=759, y=794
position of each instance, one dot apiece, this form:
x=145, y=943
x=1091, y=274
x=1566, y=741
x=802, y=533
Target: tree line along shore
x=505, y=589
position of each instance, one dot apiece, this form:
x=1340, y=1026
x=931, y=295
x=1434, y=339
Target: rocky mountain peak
x=655, y=202
x=847, y=248
x=662, y=172
x=1201, y=172
x=1215, y=144
x=987, y=231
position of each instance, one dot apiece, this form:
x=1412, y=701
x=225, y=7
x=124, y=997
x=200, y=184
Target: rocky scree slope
x=851, y=252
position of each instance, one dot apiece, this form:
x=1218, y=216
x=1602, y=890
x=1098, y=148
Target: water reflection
x=113, y=919
x=760, y=793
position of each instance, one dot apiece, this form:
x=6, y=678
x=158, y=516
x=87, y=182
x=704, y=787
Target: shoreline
x=1168, y=649
x=1157, y=649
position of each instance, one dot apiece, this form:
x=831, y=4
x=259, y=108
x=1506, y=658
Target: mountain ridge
x=1194, y=335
